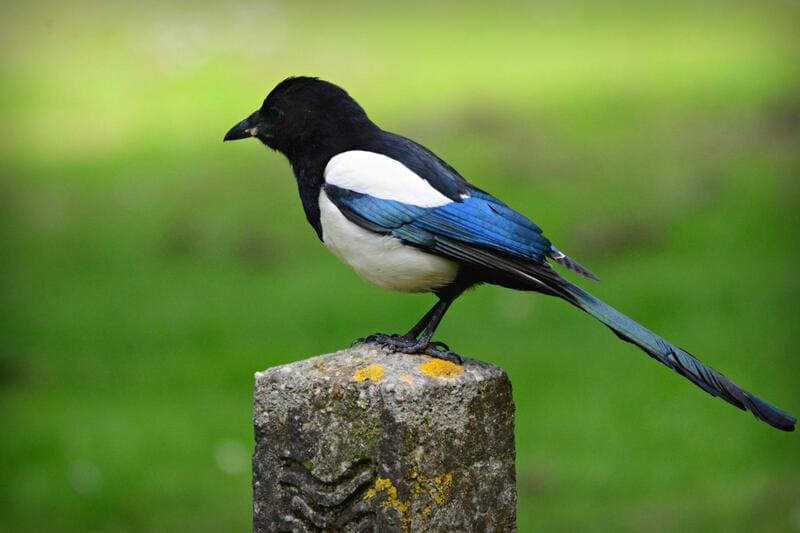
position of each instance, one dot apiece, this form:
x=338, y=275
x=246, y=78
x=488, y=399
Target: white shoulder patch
x=382, y=177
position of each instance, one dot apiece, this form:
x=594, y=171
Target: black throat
x=310, y=179
x=310, y=156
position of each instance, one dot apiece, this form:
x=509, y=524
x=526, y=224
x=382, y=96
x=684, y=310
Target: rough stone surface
x=365, y=440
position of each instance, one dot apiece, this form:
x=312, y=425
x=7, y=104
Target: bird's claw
x=440, y=346
x=360, y=340
x=377, y=338
x=440, y=350
x=410, y=345
x=392, y=340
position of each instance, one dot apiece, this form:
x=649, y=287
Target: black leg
x=423, y=322
x=434, y=316
x=425, y=329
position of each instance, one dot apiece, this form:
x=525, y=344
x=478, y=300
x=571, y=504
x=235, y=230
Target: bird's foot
x=395, y=341
x=383, y=339
x=410, y=345
x=440, y=350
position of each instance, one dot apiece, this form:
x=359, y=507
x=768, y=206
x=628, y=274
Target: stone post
x=367, y=440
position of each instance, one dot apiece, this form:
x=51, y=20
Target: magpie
x=405, y=220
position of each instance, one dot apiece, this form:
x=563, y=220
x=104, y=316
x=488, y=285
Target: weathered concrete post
x=365, y=440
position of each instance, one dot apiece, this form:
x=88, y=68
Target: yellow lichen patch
x=442, y=485
x=383, y=484
x=424, y=495
x=407, y=378
x=439, y=368
x=372, y=372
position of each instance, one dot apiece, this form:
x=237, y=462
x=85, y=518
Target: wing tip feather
x=567, y=262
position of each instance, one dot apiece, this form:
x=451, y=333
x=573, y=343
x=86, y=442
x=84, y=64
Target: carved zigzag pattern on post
x=320, y=505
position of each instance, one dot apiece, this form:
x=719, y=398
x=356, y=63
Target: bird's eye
x=272, y=114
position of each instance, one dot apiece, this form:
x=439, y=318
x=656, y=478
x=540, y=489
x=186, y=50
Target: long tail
x=679, y=360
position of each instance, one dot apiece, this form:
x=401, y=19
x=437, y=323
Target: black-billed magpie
x=405, y=220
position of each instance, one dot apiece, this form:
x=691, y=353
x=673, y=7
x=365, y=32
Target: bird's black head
x=303, y=113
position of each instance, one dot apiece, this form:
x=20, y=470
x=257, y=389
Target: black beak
x=246, y=128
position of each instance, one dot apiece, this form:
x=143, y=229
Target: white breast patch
x=382, y=260
x=382, y=177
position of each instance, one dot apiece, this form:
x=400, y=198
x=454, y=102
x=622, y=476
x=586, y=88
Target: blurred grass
x=148, y=270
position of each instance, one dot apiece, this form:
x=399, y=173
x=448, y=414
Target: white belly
x=382, y=260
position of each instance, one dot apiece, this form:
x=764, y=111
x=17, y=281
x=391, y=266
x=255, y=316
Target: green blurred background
x=149, y=270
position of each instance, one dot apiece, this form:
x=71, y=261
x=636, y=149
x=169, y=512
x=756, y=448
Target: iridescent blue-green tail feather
x=679, y=360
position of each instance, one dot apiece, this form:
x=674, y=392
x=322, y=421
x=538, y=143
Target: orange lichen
x=407, y=378
x=439, y=368
x=372, y=372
